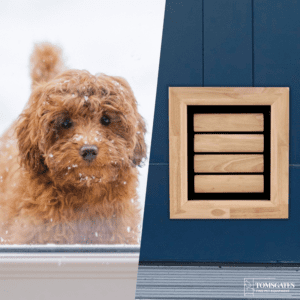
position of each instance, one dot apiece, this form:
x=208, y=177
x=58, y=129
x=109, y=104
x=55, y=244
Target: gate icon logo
x=248, y=286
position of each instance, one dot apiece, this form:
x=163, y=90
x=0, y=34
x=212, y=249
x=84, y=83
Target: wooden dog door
x=229, y=153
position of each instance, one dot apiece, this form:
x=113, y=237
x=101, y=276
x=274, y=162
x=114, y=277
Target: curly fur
x=49, y=193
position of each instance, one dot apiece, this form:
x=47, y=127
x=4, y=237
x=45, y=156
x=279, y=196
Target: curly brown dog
x=68, y=164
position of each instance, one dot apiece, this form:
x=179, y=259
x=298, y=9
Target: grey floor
x=213, y=282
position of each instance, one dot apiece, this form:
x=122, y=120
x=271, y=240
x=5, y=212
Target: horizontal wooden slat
x=229, y=184
x=229, y=143
x=228, y=122
x=228, y=163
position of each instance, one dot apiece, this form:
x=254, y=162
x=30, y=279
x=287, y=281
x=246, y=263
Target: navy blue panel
x=227, y=43
x=277, y=56
x=227, y=62
x=158, y=194
x=239, y=241
x=180, y=65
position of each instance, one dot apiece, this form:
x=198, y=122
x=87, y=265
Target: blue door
x=234, y=43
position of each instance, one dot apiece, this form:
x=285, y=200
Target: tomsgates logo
x=254, y=286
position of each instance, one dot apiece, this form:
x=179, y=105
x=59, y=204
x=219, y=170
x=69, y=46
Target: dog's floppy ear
x=140, y=150
x=28, y=136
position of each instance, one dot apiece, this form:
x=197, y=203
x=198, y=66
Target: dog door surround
x=229, y=153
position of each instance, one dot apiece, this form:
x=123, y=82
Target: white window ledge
x=68, y=272
x=69, y=261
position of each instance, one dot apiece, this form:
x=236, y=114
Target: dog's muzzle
x=88, y=152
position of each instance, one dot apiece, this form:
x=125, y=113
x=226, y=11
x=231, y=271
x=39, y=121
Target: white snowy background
x=115, y=37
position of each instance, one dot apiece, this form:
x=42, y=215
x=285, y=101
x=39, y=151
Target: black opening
x=229, y=109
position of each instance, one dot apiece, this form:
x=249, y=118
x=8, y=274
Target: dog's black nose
x=88, y=152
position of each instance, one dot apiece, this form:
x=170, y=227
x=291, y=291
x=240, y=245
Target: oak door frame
x=183, y=208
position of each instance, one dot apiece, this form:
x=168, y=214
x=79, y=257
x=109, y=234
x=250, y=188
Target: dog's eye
x=105, y=121
x=66, y=124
